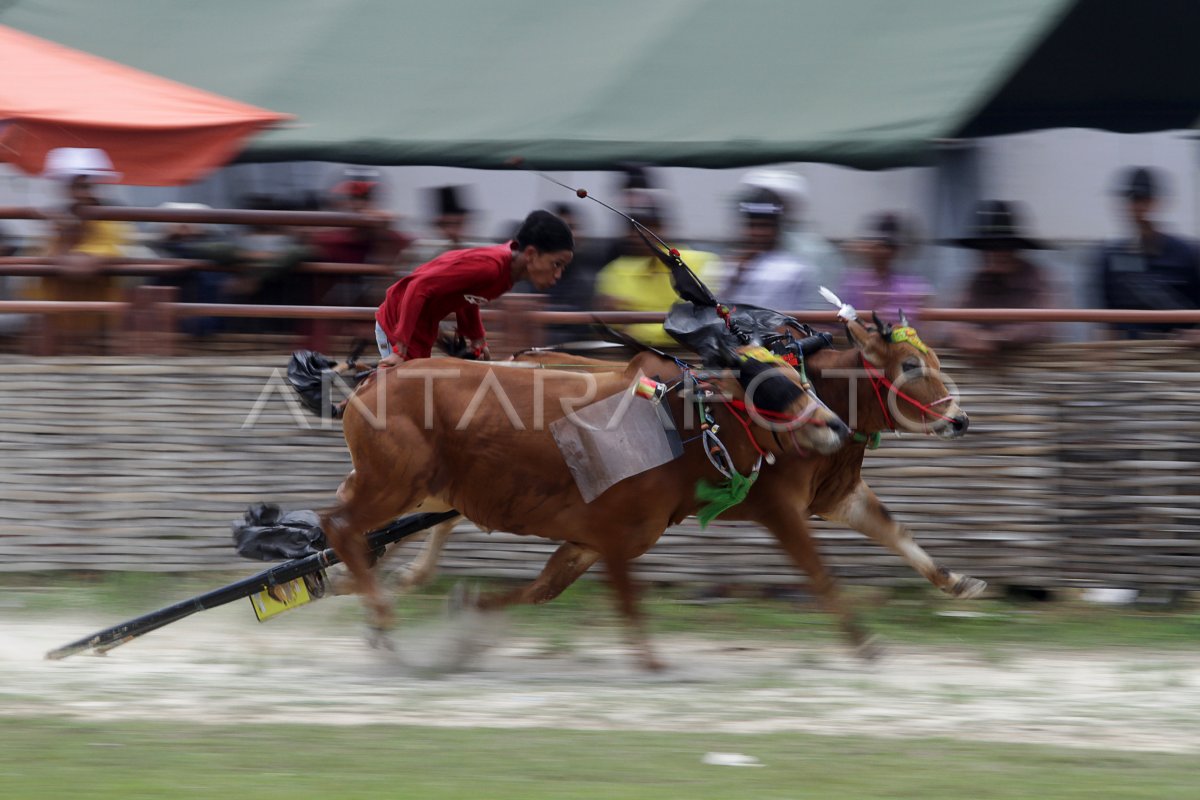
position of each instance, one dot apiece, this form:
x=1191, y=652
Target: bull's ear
x=870, y=343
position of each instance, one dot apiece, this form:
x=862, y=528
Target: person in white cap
x=799, y=238
x=79, y=169
x=78, y=245
x=763, y=273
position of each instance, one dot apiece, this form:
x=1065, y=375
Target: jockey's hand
x=481, y=349
x=390, y=360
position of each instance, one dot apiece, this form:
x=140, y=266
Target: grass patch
x=908, y=616
x=50, y=758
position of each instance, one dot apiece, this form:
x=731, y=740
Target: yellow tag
x=909, y=335
x=265, y=602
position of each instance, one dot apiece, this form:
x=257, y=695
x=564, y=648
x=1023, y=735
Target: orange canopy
x=156, y=131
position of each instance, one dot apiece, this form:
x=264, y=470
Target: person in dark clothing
x=1006, y=278
x=197, y=242
x=1151, y=269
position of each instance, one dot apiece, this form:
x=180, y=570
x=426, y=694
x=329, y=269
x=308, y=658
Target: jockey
x=459, y=281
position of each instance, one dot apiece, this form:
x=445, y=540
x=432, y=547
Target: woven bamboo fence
x=1080, y=469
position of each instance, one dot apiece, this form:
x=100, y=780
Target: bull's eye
x=911, y=365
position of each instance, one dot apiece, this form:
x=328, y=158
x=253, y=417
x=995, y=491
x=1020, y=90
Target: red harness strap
x=878, y=378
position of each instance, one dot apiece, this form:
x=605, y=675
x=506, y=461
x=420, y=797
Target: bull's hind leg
x=565, y=566
x=621, y=581
x=421, y=570
x=790, y=528
x=866, y=513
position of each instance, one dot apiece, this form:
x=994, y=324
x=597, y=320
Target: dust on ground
x=223, y=667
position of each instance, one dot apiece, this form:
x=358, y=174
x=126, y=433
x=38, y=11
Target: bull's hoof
x=379, y=639
x=652, y=664
x=967, y=587
x=463, y=597
x=869, y=649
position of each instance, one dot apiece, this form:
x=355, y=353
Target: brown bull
x=474, y=437
x=887, y=382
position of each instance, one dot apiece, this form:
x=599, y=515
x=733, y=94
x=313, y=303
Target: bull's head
x=906, y=374
x=784, y=412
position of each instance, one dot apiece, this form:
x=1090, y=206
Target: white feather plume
x=845, y=310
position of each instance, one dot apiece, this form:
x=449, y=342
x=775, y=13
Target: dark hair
x=546, y=232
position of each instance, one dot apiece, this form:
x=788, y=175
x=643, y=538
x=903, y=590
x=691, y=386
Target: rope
x=877, y=378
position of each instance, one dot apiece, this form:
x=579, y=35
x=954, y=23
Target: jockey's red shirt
x=456, y=282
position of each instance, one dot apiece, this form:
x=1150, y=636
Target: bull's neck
x=865, y=414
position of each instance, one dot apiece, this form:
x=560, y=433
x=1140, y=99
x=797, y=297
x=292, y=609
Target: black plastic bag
x=265, y=533
x=703, y=331
x=310, y=373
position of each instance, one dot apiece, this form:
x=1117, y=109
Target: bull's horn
x=883, y=329
x=903, y=319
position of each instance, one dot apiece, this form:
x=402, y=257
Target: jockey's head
x=542, y=249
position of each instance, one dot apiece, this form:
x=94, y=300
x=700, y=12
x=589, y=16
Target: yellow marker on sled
x=274, y=600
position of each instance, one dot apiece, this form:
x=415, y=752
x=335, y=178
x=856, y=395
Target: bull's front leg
x=790, y=526
x=866, y=513
x=619, y=577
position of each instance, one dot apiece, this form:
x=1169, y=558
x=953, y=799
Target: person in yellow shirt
x=638, y=281
x=79, y=246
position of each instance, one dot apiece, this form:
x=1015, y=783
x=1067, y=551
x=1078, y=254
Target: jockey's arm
x=470, y=325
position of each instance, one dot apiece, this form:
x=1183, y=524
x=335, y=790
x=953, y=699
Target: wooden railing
x=147, y=320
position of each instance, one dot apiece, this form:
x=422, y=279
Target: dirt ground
x=223, y=667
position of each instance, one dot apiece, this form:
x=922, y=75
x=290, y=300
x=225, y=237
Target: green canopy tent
x=702, y=83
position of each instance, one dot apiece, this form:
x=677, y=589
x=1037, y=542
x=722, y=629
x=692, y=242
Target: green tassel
x=720, y=498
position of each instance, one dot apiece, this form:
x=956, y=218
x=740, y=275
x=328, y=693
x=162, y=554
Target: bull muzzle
x=955, y=427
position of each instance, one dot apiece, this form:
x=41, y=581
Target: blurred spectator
x=9, y=323
x=808, y=246
x=199, y=242
x=878, y=285
x=638, y=281
x=358, y=194
x=7, y=248
x=450, y=216
x=763, y=273
x=1150, y=269
x=266, y=257
x=80, y=246
x=1005, y=279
